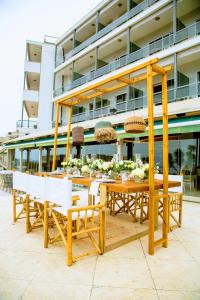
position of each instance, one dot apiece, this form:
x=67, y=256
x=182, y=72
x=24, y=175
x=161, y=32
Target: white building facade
x=115, y=36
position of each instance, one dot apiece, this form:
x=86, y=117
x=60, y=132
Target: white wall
x=46, y=87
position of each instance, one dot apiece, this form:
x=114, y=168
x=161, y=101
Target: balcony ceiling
x=185, y=6
x=31, y=109
x=113, y=11
x=189, y=56
x=112, y=47
x=33, y=81
x=150, y=28
x=86, y=30
x=34, y=52
x=86, y=62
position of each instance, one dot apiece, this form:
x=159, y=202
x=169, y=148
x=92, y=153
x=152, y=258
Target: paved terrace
x=27, y=271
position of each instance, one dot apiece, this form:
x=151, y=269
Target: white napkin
x=94, y=188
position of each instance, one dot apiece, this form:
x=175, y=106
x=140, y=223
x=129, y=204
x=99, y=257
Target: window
x=121, y=98
x=76, y=110
x=91, y=106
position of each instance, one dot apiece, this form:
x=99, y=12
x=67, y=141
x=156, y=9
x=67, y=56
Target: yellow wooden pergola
x=145, y=71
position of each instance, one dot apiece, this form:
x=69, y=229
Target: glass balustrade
x=122, y=19
x=181, y=93
x=151, y=48
x=26, y=124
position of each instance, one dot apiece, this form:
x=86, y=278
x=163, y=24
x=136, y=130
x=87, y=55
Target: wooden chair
x=19, y=196
x=71, y=221
x=35, y=192
x=175, y=197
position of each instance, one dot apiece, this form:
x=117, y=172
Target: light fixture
x=157, y=18
x=92, y=24
x=91, y=56
x=119, y=40
x=71, y=39
x=34, y=80
x=120, y=4
x=35, y=54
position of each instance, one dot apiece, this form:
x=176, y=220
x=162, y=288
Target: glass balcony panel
x=121, y=106
x=182, y=92
x=157, y=98
x=26, y=124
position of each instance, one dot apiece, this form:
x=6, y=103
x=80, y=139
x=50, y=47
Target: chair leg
x=27, y=214
x=101, y=231
x=14, y=207
x=69, y=239
x=46, y=220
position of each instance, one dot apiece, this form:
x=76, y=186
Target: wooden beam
x=165, y=160
x=157, y=69
x=55, y=137
x=102, y=82
x=151, y=159
x=68, y=132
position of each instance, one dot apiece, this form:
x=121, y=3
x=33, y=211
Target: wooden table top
x=127, y=187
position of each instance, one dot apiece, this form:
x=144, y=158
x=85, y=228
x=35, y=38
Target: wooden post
x=165, y=160
x=55, y=137
x=27, y=214
x=69, y=239
x=46, y=221
x=68, y=132
x=14, y=207
x=151, y=159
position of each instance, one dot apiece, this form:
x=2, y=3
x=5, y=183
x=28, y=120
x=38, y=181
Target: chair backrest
x=58, y=191
x=35, y=186
x=19, y=181
x=179, y=178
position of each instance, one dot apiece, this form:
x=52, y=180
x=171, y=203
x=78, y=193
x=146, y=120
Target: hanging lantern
x=104, y=132
x=78, y=136
x=135, y=124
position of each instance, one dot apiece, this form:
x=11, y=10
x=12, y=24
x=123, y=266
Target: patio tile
x=130, y=250
x=11, y=289
x=118, y=272
x=175, y=274
x=193, y=248
x=175, y=251
x=177, y=295
x=110, y=293
x=44, y=291
x=18, y=265
x=53, y=269
x=188, y=234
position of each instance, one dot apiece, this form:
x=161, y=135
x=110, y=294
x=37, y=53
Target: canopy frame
x=151, y=69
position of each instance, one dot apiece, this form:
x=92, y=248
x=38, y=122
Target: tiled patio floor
x=27, y=271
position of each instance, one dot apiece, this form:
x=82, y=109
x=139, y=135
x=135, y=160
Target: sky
x=22, y=20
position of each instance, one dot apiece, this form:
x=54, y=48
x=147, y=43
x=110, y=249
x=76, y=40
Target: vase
x=124, y=176
x=137, y=179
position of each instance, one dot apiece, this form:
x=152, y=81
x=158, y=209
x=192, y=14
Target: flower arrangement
x=137, y=170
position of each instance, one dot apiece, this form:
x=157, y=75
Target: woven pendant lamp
x=78, y=136
x=104, y=132
x=135, y=124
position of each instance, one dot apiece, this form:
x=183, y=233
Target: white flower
x=64, y=163
x=85, y=169
x=138, y=173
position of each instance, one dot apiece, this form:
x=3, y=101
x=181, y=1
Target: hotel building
x=115, y=36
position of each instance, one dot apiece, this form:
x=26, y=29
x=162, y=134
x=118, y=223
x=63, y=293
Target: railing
x=151, y=48
x=26, y=124
x=181, y=93
x=124, y=18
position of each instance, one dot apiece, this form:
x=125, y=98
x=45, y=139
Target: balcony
x=116, y=23
x=151, y=48
x=33, y=67
x=25, y=124
x=29, y=95
x=181, y=93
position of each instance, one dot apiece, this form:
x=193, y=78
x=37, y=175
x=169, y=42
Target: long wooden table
x=121, y=225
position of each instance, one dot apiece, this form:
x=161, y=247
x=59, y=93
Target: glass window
x=121, y=98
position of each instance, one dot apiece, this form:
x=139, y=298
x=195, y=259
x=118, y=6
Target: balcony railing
x=26, y=124
x=152, y=47
x=124, y=18
x=181, y=93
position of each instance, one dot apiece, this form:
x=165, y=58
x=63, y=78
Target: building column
x=22, y=117
x=120, y=150
x=48, y=159
x=40, y=160
x=28, y=158
x=174, y=21
x=10, y=155
x=74, y=39
x=97, y=21
x=21, y=160
x=175, y=76
x=96, y=58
